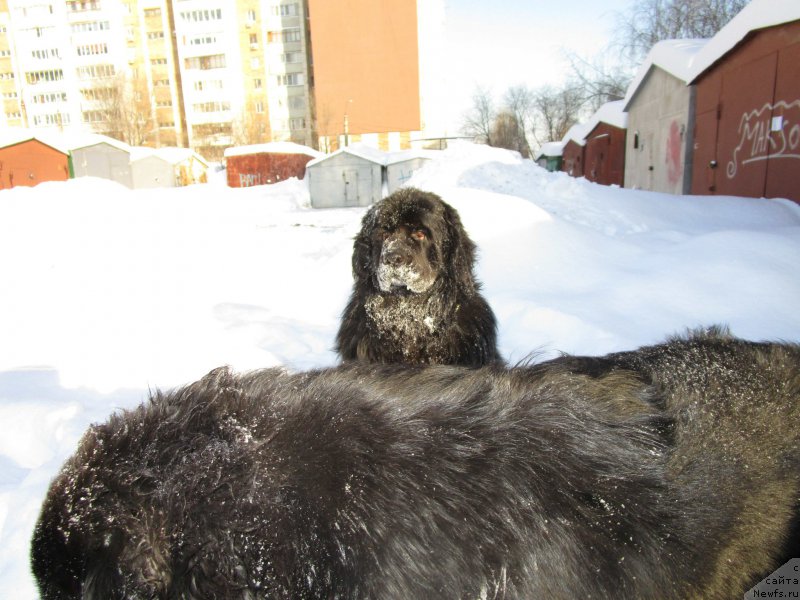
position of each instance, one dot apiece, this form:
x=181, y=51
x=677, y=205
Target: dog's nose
x=393, y=258
x=394, y=254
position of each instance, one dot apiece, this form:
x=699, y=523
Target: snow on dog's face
x=407, y=234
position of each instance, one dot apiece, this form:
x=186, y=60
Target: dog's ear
x=362, y=247
x=459, y=250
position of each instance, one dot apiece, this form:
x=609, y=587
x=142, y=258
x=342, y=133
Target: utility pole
x=347, y=123
x=184, y=137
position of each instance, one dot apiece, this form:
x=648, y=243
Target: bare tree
x=251, y=126
x=519, y=102
x=505, y=131
x=556, y=110
x=126, y=107
x=650, y=21
x=478, y=121
x=598, y=81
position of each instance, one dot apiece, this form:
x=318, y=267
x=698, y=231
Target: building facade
x=209, y=75
x=196, y=73
x=366, y=72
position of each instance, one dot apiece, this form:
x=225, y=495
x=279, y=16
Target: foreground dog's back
x=636, y=477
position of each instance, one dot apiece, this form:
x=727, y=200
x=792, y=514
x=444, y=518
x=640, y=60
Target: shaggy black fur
x=668, y=472
x=415, y=299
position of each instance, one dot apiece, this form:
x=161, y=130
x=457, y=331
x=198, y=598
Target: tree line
x=525, y=118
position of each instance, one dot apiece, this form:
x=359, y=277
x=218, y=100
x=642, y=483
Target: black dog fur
x=415, y=298
x=669, y=472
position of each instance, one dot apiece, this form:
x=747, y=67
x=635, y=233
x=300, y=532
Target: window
x=255, y=62
x=286, y=10
x=95, y=71
x=93, y=116
x=258, y=84
x=92, y=49
x=90, y=26
x=79, y=5
x=291, y=35
x=298, y=123
x=253, y=41
x=198, y=16
x=292, y=57
x=207, y=107
x=49, y=98
x=208, y=84
x=151, y=13
x=97, y=93
x=291, y=79
x=201, y=40
x=215, y=61
x=51, y=119
x=45, y=54
x=251, y=16
x=155, y=35
x=285, y=36
x=34, y=77
x=158, y=61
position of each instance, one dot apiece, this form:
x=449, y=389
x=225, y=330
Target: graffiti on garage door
x=770, y=132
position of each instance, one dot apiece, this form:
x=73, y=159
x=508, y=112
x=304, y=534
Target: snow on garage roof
x=759, y=14
x=676, y=57
x=273, y=148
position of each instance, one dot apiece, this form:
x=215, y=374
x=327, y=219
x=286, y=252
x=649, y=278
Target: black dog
x=415, y=299
x=669, y=472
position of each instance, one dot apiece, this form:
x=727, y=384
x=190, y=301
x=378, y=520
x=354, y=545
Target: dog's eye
x=418, y=234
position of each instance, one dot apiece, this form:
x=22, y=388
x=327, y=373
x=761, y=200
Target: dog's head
x=411, y=240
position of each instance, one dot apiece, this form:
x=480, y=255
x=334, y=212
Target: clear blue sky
x=508, y=42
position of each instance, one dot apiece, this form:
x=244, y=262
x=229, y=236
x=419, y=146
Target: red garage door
x=747, y=129
x=783, y=167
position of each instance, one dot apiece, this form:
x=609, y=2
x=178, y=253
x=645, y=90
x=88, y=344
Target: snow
x=577, y=133
x=109, y=292
x=550, y=149
x=377, y=156
x=676, y=57
x=273, y=147
x=360, y=150
x=76, y=141
x=758, y=14
x=612, y=113
x=169, y=154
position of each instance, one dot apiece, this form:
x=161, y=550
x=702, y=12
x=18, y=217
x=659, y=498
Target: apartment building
x=209, y=74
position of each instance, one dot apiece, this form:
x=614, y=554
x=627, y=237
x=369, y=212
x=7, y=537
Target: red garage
x=605, y=145
x=27, y=160
x=747, y=130
x=262, y=164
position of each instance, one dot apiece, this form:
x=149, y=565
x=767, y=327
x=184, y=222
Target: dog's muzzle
x=397, y=269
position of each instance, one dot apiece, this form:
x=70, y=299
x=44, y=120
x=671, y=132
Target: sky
x=470, y=43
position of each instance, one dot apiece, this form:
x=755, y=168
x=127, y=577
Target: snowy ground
x=107, y=292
